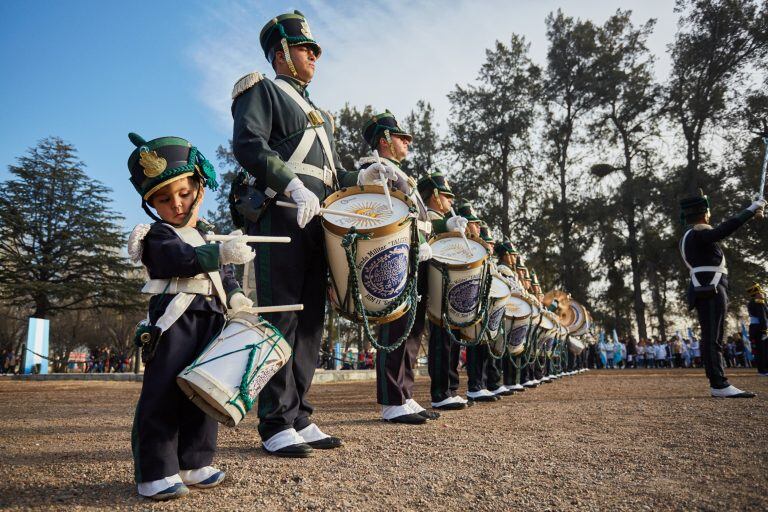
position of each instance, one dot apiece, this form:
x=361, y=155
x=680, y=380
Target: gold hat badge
x=305, y=29
x=153, y=164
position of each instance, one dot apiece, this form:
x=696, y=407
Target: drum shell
x=212, y=384
x=498, y=304
x=516, y=326
x=458, y=275
x=386, y=251
x=575, y=345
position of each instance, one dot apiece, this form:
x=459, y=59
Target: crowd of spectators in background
x=677, y=352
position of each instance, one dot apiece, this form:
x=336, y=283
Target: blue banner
x=36, y=358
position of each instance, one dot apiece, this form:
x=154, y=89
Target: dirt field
x=608, y=440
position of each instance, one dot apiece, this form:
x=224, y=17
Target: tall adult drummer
x=708, y=289
x=394, y=369
x=286, y=145
x=443, y=355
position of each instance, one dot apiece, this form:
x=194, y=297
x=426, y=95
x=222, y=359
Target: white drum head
x=455, y=249
x=547, y=323
x=369, y=204
x=499, y=288
x=518, y=307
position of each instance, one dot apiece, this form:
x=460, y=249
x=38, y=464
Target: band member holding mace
x=286, y=145
x=708, y=289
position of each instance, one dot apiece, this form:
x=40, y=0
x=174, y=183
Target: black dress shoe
x=409, y=419
x=454, y=406
x=491, y=398
x=429, y=414
x=327, y=443
x=294, y=451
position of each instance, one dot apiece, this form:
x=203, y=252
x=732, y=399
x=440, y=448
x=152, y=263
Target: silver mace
x=761, y=190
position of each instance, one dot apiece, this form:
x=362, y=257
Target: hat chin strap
x=388, y=138
x=287, y=53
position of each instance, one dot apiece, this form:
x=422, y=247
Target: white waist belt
x=325, y=175
x=178, y=285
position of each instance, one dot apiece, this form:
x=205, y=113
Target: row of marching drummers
x=474, y=292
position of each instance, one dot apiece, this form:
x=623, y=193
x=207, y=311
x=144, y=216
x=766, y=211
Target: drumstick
x=447, y=258
x=326, y=211
x=384, y=182
x=249, y=239
x=463, y=235
x=275, y=309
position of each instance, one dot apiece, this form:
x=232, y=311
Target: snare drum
x=226, y=378
x=382, y=253
x=465, y=271
x=517, y=318
x=499, y=296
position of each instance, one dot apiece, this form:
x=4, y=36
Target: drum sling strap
x=315, y=129
x=718, y=270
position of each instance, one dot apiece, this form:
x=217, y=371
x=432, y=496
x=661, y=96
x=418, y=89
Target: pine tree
x=60, y=243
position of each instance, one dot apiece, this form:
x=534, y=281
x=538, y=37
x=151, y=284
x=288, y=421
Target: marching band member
x=528, y=373
x=173, y=440
x=507, y=260
x=708, y=289
x=443, y=356
x=394, y=370
x=758, y=327
x=493, y=372
x=286, y=145
x=477, y=356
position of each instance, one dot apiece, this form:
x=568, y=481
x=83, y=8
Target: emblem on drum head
x=384, y=275
x=464, y=296
x=260, y=380
x=517, y=336
x=495, y=320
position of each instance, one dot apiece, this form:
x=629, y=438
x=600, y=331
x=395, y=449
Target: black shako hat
x=290, y=29
x=694, y=205
x=383, y=125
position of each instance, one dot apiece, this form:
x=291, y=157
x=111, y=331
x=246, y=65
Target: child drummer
x=173, y=440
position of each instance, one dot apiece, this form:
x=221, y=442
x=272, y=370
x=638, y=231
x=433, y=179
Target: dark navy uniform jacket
x=758, y=319
x=166, y=256
x=268, y=125
x=701, y=249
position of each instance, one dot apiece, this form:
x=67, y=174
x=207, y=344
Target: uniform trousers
x=760, y=350
x=170, y=433
x=711, y=312
x=292, y=273
x=478, y=361
x=443, y=363
x=394, y=370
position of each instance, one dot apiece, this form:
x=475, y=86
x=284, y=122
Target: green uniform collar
x=295, y=83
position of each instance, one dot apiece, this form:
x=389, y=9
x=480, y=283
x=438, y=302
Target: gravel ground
x=604, y=440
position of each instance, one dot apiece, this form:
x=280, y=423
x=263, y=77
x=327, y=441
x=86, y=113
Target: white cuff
x=312, y=433
x=478, y=394
x=414, y=405
x=155, y=486
x=292, y=185
x=389, y=412
x=449, y=400
x=194, y=476
x=282, y=439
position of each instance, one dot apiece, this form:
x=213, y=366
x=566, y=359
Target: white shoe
x=202, y=478
x=163, y=485
x=499, y=390
x=517, y=387
x=530, y=384
x=762, y=374
x=459, y=399
x=731, y=392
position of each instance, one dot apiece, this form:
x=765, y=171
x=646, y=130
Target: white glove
x=759, y=204
x=236, y=251
x=239, y=301
x=457, y=224
x=373, y=174
x=305, y=199
x=425, y=252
